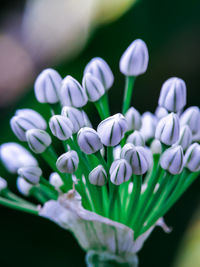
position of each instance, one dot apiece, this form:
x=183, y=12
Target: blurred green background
x=171, y=30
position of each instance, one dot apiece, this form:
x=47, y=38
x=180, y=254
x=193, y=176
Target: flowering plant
x=113, y=185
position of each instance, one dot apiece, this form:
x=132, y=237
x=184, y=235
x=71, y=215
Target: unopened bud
x=93, y=87
x=185, y=138
x=98, y=176
x=173, y=94
x=75, y=116
x=134, y=60
x=156, y=147
x=112, y=130
x=61, y=127
x=24, y=120
x=15, y=156
x=68, y=162
x=161, y=112
x=192, y=158
x=172, y=160
x=100, y=69
x=191, y=117
x=38, y=140
x=168, y=129
x=31, y=174
x=120, y=171
x=136, y=138
x=139, y=158
x=55, y=180
x=87, y=122
x=88, y=140
x=149, y=122
x=72, y=93
x=47, y=86
x=3, y=184
x=133, y=118
x=23, y=186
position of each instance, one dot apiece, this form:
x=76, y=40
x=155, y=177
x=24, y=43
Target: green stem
x=128, y=93
x=36, y=193
x=105, y=104
x=100, y=108
x=8, y=194
x=109, y=156
x=101, y=160
x=18, y=206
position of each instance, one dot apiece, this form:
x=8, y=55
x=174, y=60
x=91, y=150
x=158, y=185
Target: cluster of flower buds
x=142, y=152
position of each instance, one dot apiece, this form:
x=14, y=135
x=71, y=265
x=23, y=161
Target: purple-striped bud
x=68, y=162
x=133, y=118
x=61, y=127
x=192, y=158
x=38, y=140
x=136, y=138
x=120, y=171
x=98, y=176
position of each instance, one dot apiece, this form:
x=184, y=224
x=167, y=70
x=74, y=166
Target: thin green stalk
x=105, y=104
x=134, y=199
x=100, y=108
x=128, y=93
x=101, y=160
x=109, y=156
x=36, y=193
x=8, y=194
x=18, y=206
x=48, y=192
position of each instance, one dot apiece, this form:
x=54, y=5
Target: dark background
x=171, y=30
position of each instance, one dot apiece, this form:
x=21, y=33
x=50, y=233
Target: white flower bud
x=93, y=87
x=87, y=122
x=55, y=180
x=88, y=140
x=136, y=138
x=23, y=186
x=15, y=156
x=161, y=112
x=134, y=60
x=72, y=93
x=185, y=138
x=156, y=147
x=38, y=140
x=112, y=130
x=191, y=117
x=3, y=184
x=120, y=171
x=133, y=118
x=172, y=160
x=75, y=116
x=24, y=120
x=117, y=151
x=47, y=86
x=149, y=122
x=192, y=158
x=139, y=158
x=68, y=162
x=61, y=127
x=168, y=129
x=100, y=69
x=31, y=174
x=173, y=94
x=98, y=176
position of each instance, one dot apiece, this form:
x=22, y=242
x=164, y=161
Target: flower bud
x=149, y=122
x=112, y=130
x=3, y=184
x=31, y=174
x=191, y=117
x=100, y=69
x=185, y=138
x=38, y=140
x=172, y=160
x=120, y=171
x=192, y=158
x=68, y=162
x=75, y=116
x=93, y=87
x=15, y=156
x=173, y=94
x=87, y=122
x=116, y=152
x=23, y=186
x=88, y=140
x=72, y=93
x=47, y=86
x=98, y=176
x=136, y=139
x=134, y=60
x=156, y=147
x=133, y=118
x=55, y=180
x=139, y=158
x=161, y=112
x=61, y=127
x=168, y=129
x=24, y=120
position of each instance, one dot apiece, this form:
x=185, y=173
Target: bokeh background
x=65, y=35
